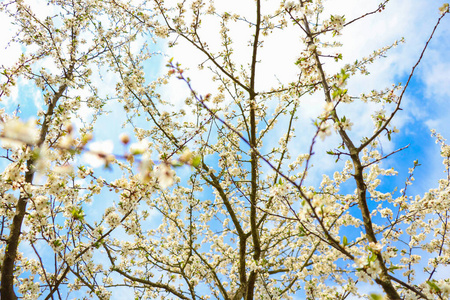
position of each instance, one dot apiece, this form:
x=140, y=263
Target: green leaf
x=302, y=232
x=176, y=164
x=196, y=161
x=433, y=286
x=374, y=296
x=344, y=241
x=97, y=245
x=77, y=214
x=393, y=268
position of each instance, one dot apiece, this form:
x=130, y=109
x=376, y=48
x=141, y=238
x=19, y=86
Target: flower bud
x=124, y=138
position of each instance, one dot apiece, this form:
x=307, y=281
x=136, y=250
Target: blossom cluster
x=260, y=208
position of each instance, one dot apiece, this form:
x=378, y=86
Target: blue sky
x=425, y=105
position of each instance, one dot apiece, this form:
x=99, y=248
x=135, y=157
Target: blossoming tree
x=245, y=222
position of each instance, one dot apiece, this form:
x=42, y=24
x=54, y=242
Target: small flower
x=344, y=124
x=289, y=5
x=235, y=172
x=380, y=113
x=66, y=142
x=445, y=151
x=41, y=204
x=165, y=175
x=112, y=219
x=69, y=127
x=85, y=138
x=17, y=133
x=145, y=168
x=444, y=9
x=375, y=247
x=99, y=154
x=162, y=31
x=324, y=130
x=186, y=156
x=139, y=148
x=329, y=106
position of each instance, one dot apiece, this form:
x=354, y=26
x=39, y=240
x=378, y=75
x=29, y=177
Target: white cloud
x=10, y=52
x=436, y=75
x=412, y=20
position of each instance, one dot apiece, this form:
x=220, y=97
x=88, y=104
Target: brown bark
x=12, y=243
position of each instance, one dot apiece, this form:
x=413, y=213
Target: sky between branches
x=424, y=107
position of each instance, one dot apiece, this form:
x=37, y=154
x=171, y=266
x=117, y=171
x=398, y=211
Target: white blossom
x=17, y=133
x=99, y=153
x=324, y=130
x=165, y=175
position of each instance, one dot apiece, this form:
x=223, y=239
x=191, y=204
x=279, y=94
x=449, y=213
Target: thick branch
x=7, y=279
x=383, y=279
x=254, y=157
